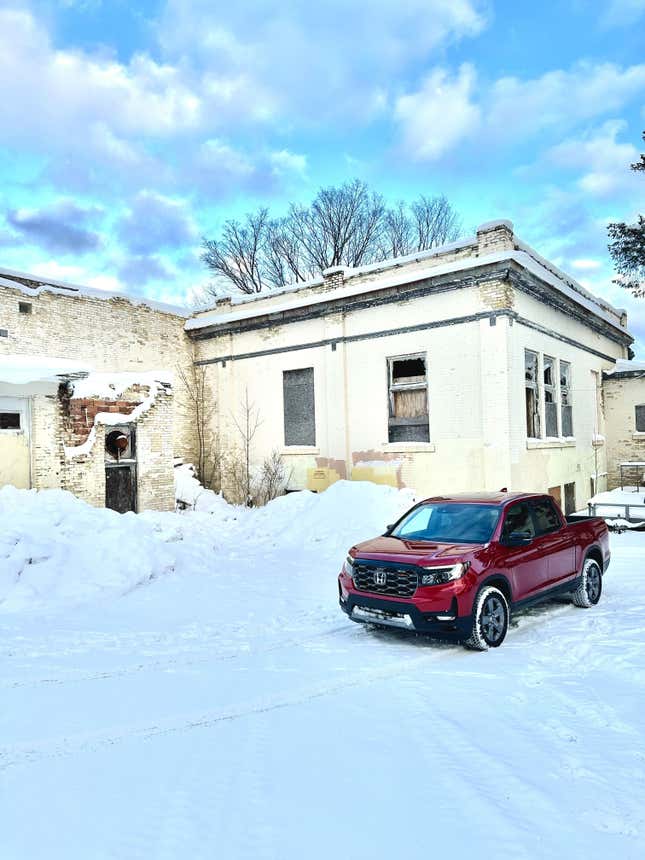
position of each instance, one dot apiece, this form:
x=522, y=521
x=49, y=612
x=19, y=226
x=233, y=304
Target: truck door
x=555, y=540
x=525, y=565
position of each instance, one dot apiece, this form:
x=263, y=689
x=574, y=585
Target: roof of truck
x=500, y=498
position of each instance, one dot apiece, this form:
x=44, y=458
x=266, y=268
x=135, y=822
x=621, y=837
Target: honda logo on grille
x=380, y=577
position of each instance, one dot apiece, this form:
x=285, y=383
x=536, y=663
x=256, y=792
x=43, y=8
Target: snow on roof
x=384, y=265
x=112, y=385
x=523, y=258
x=522, y=253
x=623, y=365
x=24, y=369
x=34, y=285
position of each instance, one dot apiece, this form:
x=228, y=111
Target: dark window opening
x=532, y=394
x=545, y=516
x=299, y=407
x=4, y=332
x=408, y=400
x=9, y=420
x=640, y=418
x=24, y=307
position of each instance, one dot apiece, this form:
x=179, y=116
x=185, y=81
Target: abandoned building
x=477, y=365
x=624, y=406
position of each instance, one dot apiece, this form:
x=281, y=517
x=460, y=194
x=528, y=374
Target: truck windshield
x=449, y=523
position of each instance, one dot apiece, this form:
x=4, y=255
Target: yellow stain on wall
x=14, y=460
x=376, y=476
x=319, y=479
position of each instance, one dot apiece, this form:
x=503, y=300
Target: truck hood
x=415, y=552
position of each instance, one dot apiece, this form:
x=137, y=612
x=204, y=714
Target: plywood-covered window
x=566, y=399
x=532, y=394
x=299, y=408
x=550, y=396
x=408, y=399
x=640, y=418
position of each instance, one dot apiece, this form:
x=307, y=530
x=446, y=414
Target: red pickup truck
x=455, y=567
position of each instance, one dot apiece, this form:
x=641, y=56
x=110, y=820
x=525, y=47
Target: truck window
x=518, y=519
x=546, y=516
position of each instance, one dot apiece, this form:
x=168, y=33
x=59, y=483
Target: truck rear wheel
x=588, y=592
x=490, y=620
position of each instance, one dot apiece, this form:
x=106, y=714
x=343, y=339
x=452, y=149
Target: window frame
x=637, y=407
x=393, y=387
x=566, y=398
x=20, y=428
x=553, y=390
x=300, y=444
x=536, y=388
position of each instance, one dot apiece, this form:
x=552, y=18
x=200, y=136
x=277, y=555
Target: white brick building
x=478, y=365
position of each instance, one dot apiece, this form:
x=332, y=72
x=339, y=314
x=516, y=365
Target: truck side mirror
x=518, y=539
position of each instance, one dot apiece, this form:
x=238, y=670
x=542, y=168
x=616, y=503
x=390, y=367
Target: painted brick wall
x=624, y=443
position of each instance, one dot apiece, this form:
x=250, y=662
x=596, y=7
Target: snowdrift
x=57, y=550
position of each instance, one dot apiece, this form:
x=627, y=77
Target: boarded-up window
x=9, y=420
x=640, y=418
x=565, y=398
x=550, y=396
x=299, y=410
x=408, y=395
x=532, y=394
x=556, y=493
x=569, y=498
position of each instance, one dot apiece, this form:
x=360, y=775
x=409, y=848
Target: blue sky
x=130, y=130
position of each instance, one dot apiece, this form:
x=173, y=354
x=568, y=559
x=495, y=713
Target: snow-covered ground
x=185, y=686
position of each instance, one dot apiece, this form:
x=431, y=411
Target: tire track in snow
x=26, y=753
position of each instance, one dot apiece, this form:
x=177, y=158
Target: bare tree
x=200, y=409
x=342, y=226
x=238, y=254
x=398, y=232
x=247, y=427
x=346, y=225
x=435, y=222
x=273, y=479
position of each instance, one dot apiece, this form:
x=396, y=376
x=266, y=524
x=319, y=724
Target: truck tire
x=588, y=592
x=490, y=620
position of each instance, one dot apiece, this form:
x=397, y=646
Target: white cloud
x=620, y=13
x=439, y=114
x=285, y=162
x=516, y=109
x=447, y=110
x=600, y=158
x=586, y=265
x=320, y=60
x=76, y=275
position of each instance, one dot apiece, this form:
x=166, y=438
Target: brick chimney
x=334, y=277
x=495, y=236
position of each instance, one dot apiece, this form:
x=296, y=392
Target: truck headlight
x=348, y=566
x=441, y=575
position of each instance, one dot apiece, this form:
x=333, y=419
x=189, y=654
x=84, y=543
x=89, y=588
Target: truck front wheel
x=490, y=620
x=588, y=592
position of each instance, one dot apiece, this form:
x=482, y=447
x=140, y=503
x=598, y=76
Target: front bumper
x=405, y=616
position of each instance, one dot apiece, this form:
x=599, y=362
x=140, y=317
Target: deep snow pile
x=55, y=549
x=227, y=708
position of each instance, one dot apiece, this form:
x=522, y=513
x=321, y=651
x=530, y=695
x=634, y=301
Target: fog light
x=445, y=617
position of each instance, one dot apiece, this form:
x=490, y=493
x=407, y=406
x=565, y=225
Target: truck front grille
x=392, y=581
